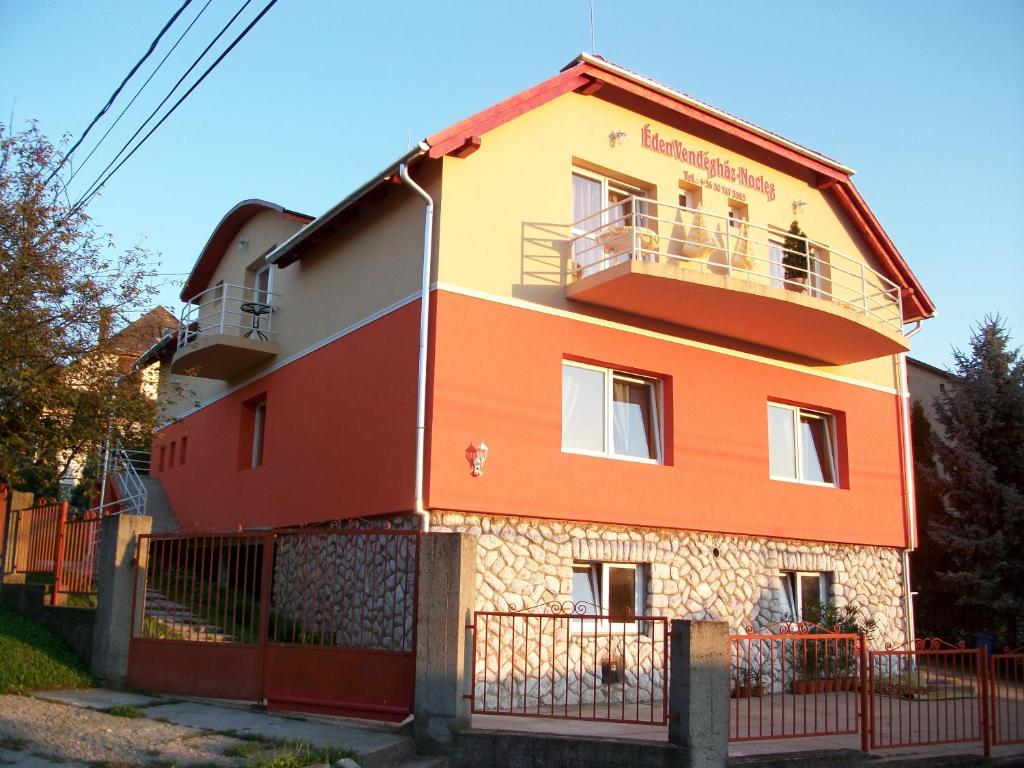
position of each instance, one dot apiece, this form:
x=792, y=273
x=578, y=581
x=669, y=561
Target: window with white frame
x=610, y=413
x=801, y=445
x=259, y=421
x=614, y=590
x=805, y=592
x=602, y=205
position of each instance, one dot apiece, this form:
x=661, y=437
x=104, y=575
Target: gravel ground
x=30, y=727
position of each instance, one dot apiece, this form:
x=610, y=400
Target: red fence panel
x=558, y=661
x=36, y=532
x=932, y=693
x=1006, y=687
x=78, y=564
x=794, y=684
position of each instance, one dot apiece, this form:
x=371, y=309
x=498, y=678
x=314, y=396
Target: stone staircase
x=157, y=506
x=179, y=621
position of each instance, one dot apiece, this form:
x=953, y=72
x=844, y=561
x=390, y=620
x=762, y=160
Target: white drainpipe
x=910, y=494
x=421, y=381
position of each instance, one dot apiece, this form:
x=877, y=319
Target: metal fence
x=794, y=683
x=1006, y=686
x=565, y=661
x=36, y=531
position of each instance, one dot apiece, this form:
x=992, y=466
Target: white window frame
x=657, y=427
x=263, y=295
x=794, y=589
x=830, y=426
x=639, y=595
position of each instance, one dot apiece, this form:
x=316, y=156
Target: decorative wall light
x=476, y=455
x=243, y=242
x=616, y=137
x=798, y=205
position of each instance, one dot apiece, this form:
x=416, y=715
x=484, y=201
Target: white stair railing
x=123, y=467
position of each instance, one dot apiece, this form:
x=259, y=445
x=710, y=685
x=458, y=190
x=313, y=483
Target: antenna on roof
x=593, y=44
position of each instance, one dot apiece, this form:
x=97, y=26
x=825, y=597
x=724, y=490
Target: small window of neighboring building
x=170, y=463
x=610, y=413
x=613, y=590
x=805, y=592
x=801, y=445
x=184, y=447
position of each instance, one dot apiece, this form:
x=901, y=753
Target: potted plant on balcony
x=795, y=258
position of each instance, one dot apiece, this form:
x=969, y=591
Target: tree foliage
x=61, y=385
x=978, y=473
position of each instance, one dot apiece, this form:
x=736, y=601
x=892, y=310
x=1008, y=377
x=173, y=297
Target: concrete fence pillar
x=699, y=691
x=446, y=596
x=115, y=584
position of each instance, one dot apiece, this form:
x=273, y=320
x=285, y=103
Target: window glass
x=259, y=422
x=622, y=594
x=632, y=418
x=582, y=409
x=810, y=593
x=816, y=449
x=585, y=587
x=781, y=442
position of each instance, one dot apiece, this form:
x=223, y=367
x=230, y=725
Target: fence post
x=58, y=555
x=866, y=719
x=446, y=595
x=115, y=585
x=986, y=700
x=699, y=691
x=266, y=588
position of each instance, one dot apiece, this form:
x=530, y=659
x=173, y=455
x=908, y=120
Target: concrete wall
x=74, y=625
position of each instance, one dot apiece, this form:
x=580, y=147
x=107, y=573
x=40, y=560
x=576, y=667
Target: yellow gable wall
x=368, y=265
x=507, y=207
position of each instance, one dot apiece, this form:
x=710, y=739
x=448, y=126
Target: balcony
x=736, y=279
x=224, y=331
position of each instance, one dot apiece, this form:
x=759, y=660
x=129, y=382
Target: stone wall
x=522, y=563
x=346, y=589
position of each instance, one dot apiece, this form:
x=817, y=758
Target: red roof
x=199, y=279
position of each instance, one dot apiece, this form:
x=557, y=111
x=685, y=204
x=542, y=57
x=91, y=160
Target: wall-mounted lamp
x=798, y=204
x=616, y=137
x=243, y=242
x=476, y=455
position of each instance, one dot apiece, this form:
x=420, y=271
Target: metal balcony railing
x=648, y=230
x=124, y=467
x=231, y=310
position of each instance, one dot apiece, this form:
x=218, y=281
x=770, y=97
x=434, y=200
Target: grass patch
x=32, y=659
x=291, y=754
x=80, y=600
x=126, y=710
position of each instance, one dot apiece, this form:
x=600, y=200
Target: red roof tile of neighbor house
x=593, y=76
x=199, y=279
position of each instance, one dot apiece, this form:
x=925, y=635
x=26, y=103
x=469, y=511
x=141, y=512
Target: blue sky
x=924, y=99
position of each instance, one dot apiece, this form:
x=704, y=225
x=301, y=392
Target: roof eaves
x=280, y=254
x=665, y=90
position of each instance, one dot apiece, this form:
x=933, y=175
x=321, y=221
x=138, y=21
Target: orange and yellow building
x=690, y=407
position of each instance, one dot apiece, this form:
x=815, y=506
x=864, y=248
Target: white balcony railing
x=228, y=310
x=647, y=230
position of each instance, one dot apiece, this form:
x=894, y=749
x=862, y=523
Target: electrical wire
x=138, y=92
x=124, y=82
x=93, y=188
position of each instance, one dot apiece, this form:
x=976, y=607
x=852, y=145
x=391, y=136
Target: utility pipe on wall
x=421, y=381
x=910, y=495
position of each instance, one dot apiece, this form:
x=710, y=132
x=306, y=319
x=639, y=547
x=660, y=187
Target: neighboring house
x=926, y=382
x=687, y=412
x=125, y=348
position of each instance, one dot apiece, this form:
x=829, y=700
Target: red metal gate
x=317, y=619
x=562, y=661
x=1006, y=685
x=796, y=682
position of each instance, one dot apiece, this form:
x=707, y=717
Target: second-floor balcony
x=226, y=330
x=734, y=278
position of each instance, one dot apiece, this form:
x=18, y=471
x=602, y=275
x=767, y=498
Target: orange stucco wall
x=339, y=437
x=497, y=378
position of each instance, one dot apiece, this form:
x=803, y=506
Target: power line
x=138, y=93
x=124, y=82
x=100, y=180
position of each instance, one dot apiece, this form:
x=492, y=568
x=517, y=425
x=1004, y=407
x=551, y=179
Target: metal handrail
x=654, y=230
x=218, y=310
x=123, y=466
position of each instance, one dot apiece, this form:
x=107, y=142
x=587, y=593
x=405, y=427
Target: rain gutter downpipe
x=421, y=381
x=910, y=492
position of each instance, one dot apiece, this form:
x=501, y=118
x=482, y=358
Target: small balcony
x=734, y=278
x=224, y=331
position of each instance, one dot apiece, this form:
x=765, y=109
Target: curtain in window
x=631, y=419
x=789, y=597
x=816, y=449
x=781, y=443
x=776, y=271
x=582, y=409
x=586, y=202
